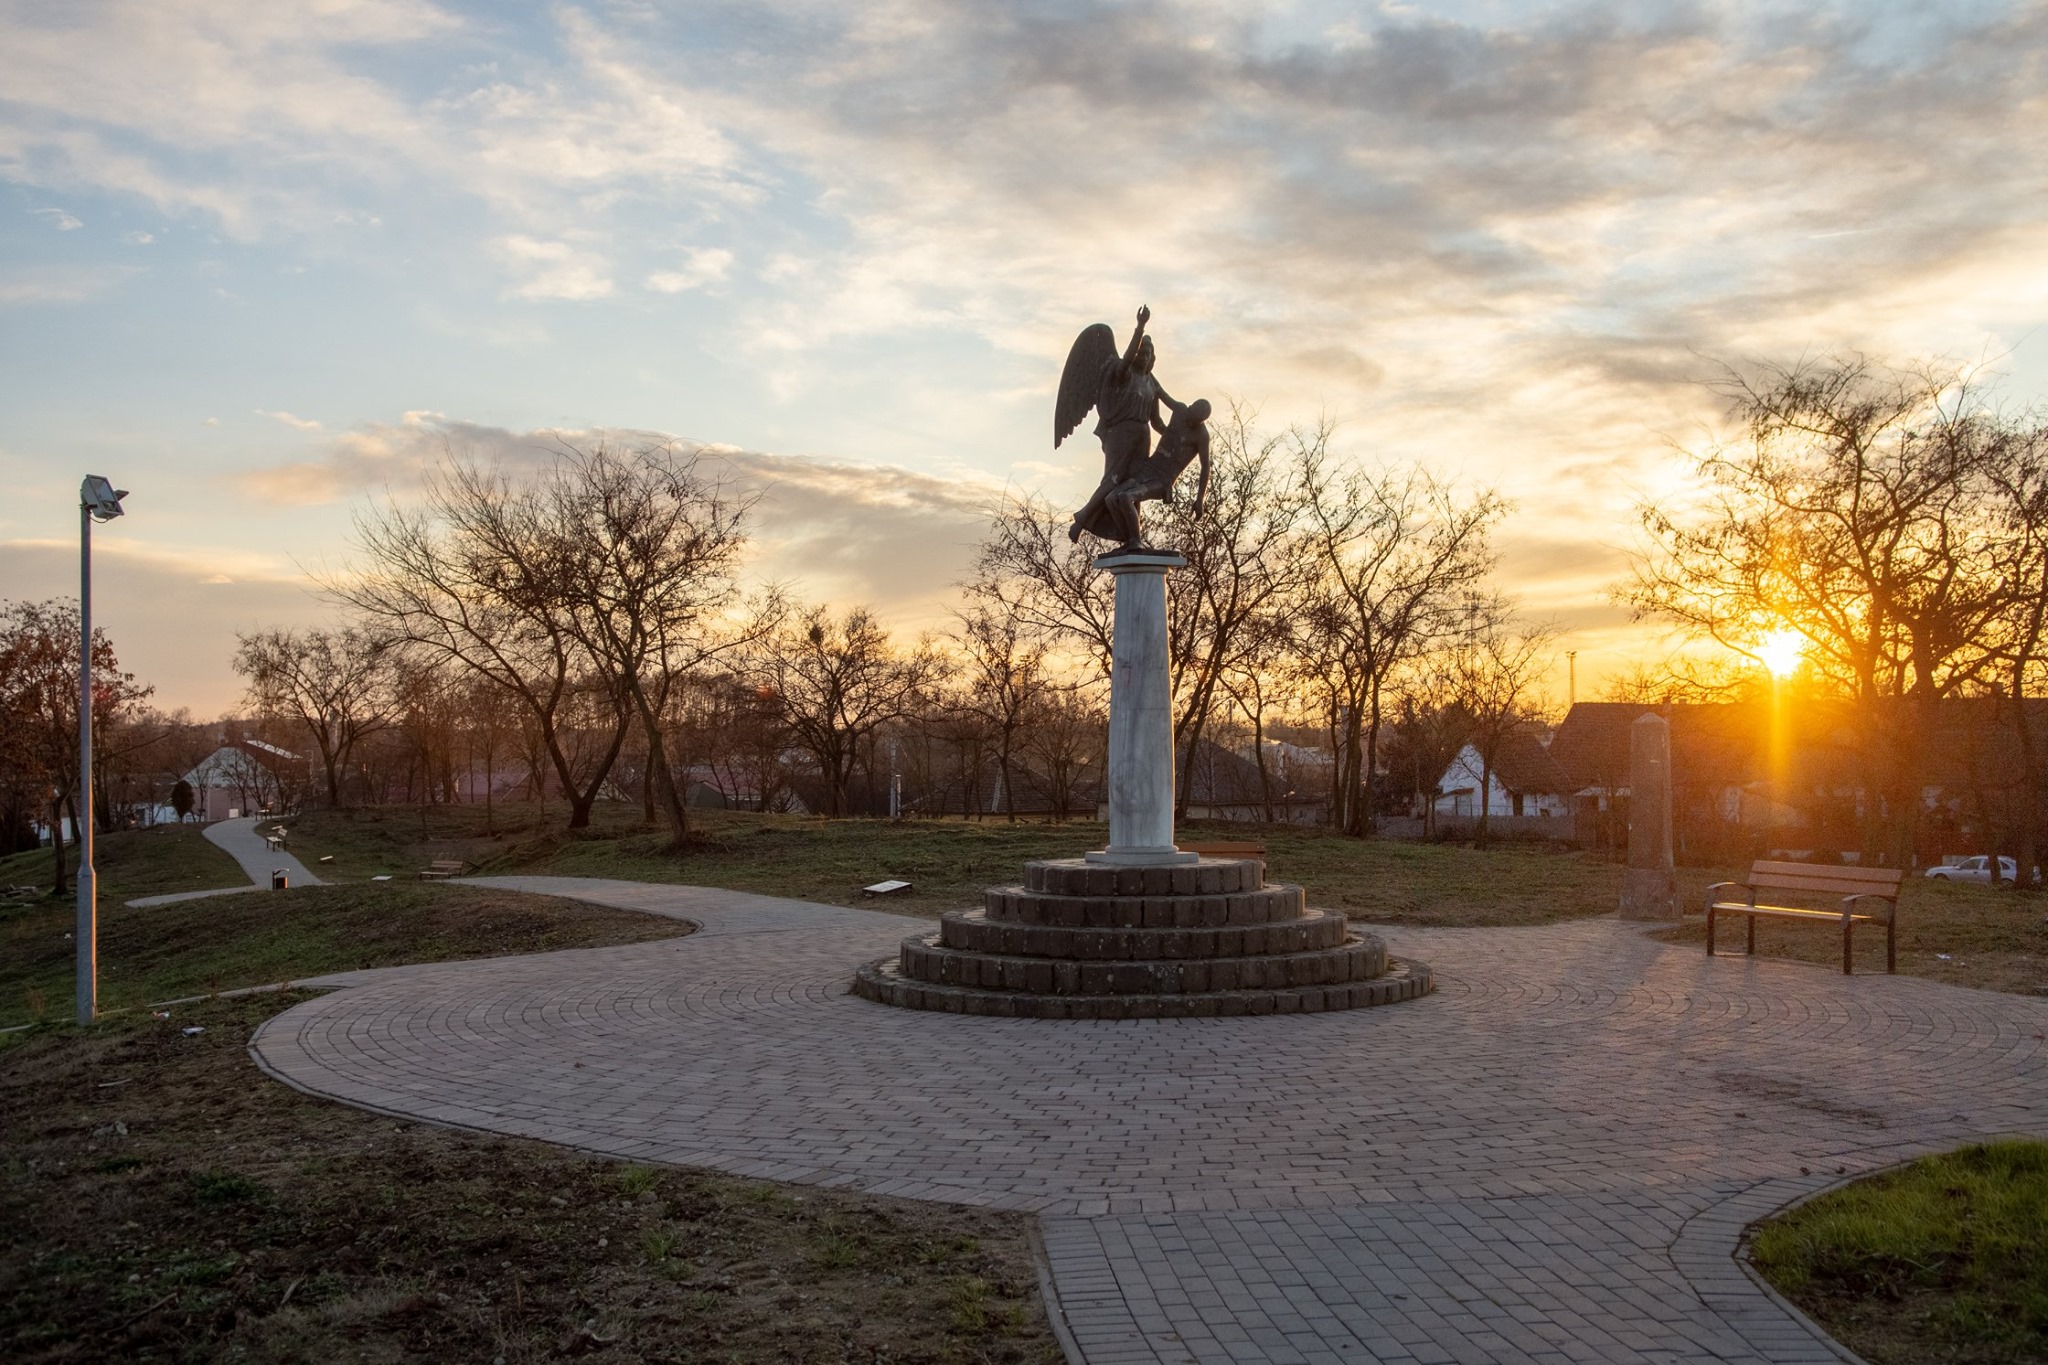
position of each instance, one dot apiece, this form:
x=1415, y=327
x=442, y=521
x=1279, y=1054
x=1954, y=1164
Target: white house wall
x=1460, y=788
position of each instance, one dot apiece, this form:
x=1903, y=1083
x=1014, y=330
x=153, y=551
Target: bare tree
x=1496, y=669
x=334, y=683
x=1854, y=511
x=1246, y=562
x=838, y=682
x=1066, y=737
x=1398, y=552
x=648, y=552
x=1244, y=556
x=478, y=574
x=2016, y=471
x=1003, y=681
x=1429, y=730
x=1030, y=570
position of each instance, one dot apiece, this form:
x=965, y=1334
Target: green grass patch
x=950, y=862
x=134, y=862
x=258, y=938
x=1945, y=1259
x=1954, y=932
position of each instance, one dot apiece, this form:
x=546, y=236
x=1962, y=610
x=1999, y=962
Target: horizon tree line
x=588, y=627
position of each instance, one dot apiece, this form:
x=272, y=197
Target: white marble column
x=1140, y=713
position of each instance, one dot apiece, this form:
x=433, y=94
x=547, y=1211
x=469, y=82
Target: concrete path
x=1551, y=1159
x=245, y=845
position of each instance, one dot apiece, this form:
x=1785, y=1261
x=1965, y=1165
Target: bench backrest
x=1825, y=879
x=444, y=864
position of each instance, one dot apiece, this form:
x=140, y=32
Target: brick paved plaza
x=1551, y=1158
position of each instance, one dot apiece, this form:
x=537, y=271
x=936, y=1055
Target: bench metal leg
x=1710, y=931
x=1891, y=951
x=1848, y=946
x=1752, y=934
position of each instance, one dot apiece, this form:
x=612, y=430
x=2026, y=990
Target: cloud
x=59, y=283
x=553, y=270
x=296, y=423
x=1501, y=243
x=172, y=614
x=699, y=268
x=58, y=219
x=842, y=532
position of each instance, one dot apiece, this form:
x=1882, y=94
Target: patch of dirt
x=160, y=1199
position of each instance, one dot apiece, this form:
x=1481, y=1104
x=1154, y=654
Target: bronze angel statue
x=1127, y=402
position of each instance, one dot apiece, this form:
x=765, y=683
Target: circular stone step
x=973, y=931
x=1209, y=910
x=1360, y=957
x=884, y=982
x=1204, y=877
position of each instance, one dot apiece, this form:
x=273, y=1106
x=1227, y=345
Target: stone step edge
x=1405, y=979
x=1080, y=943
x=1275, y=903
x=1204, y=877
x=1360, y=957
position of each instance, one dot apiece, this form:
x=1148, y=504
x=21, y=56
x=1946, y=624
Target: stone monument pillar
x=1141, y=788
x=1138, y=930
x=1649, y=888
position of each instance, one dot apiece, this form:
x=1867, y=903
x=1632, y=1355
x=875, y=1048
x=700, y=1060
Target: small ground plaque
x=885, y=889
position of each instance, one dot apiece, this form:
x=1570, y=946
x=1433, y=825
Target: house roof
x=1523, y=765
x=239, y=760
x=1712, y=744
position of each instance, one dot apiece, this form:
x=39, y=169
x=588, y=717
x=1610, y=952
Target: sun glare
x=1780, y=651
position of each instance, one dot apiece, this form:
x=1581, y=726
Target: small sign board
x=885, y=889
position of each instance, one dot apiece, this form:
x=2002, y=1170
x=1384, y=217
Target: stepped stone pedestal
x=1089, y=940
x=1141, y=929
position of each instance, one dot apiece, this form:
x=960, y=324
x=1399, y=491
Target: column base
x=1650, y=893
x=1164, y=855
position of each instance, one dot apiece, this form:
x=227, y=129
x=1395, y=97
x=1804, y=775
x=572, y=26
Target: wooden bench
x=1225, y=850
x=444, y=868
x=1878, y=885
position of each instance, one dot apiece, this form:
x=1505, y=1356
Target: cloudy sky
x=259, y=260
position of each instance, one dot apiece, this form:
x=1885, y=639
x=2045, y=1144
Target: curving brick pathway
x=1550, y=1159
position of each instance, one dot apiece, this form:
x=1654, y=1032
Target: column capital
x=1137, y=559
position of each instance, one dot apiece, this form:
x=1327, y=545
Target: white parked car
x=1977, y=869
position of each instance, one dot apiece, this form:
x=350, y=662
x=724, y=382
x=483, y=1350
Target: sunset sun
x=1781, y=651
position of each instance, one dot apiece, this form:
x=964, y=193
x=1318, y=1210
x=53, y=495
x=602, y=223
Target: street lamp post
x=98, y=500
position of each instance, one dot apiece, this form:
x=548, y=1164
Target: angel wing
x=1081, y=380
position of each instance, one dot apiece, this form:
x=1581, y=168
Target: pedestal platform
x=1086, y=940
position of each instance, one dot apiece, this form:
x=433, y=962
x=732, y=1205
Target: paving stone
x=1541, y=1161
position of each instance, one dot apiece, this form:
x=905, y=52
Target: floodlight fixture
x=100, y=499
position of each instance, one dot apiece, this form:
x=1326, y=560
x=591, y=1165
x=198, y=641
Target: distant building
x=244, y=776
x=1525, y=780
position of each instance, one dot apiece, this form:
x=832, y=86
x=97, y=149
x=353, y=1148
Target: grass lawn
x=949, y=861
x=1945, y=1259
x=260, y=937
x=1948, y=931
x=136, y=862
x=161, y=1200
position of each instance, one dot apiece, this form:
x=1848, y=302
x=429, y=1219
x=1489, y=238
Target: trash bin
x=278, y=880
